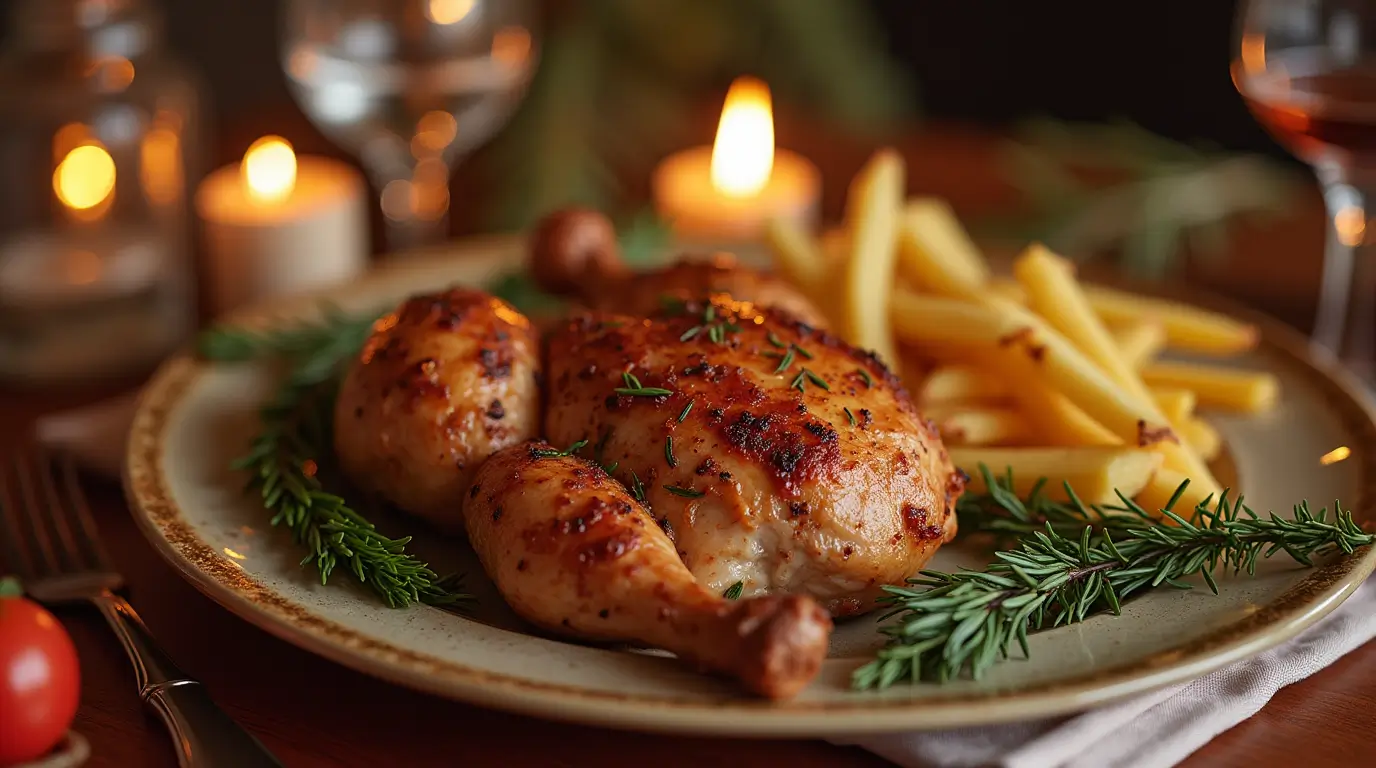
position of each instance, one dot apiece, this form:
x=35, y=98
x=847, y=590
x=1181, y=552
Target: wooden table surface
x=312, y=712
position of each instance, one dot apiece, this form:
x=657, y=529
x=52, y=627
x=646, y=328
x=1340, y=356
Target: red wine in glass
x=1313, y=110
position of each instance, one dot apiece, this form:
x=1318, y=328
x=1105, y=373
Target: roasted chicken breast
x=773, y=453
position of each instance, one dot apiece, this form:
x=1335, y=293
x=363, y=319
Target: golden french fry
x=1139, y=343
x=1008, y=289
x=796, y=255
x=1053, y=293
x=1058, y=421
x=1066, y=369
x=873, y=209
x=961, y=384
x=1025, y=347
x=1176, y=403
x=1187, y=327
x=969, y=425
x=1230, y=388
x=1200, y=436
x=935, y=252
x=1157, y=493
x=935, y=321
x=1094, y=473
x=835, y=245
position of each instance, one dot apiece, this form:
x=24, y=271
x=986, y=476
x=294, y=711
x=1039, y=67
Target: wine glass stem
x=1345, y=325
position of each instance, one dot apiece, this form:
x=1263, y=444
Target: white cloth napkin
x=1155, y=730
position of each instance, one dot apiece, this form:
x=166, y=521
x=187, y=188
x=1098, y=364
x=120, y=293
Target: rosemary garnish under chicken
x=285, y=459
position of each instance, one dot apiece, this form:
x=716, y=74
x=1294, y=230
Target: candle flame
x=85, y=178
x=269, y=169
x=743, y=154
x=446, y=12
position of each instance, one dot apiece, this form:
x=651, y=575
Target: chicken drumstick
x=573, y=552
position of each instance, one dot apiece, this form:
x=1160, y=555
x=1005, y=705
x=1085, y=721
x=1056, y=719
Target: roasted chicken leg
x=571, y=551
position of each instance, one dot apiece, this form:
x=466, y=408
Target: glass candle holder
x=98, y=135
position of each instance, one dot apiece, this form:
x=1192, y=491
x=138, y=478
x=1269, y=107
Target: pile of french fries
x=1037, y=373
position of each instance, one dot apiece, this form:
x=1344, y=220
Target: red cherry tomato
x=39, y=680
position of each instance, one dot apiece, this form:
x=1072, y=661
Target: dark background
x=1163, y=64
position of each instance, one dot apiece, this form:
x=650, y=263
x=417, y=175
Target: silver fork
x=54, y=548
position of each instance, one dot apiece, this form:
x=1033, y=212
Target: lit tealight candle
x=279, y=224
x=732, y=189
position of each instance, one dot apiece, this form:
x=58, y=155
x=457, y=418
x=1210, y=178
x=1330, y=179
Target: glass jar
x=98, y=140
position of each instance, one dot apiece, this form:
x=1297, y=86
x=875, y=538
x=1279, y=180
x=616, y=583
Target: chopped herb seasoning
x=784, y=363
x=634, y=388
x=688, y=493
x=637, y=488
x=849, y=416
x=550, y=453
x=669, y=452
x=734, y=591
x=684, y=414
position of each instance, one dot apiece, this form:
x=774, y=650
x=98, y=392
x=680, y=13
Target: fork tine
x=59, y=513
x=45, y=560
x=76, y=499
x=17, y=560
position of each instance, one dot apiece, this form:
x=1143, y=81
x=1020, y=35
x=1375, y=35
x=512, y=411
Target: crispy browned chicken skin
x=442, y=383
x=774, y=453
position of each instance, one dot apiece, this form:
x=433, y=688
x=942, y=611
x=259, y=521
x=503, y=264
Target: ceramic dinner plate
x=196, y=417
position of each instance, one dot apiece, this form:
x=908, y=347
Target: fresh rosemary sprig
x=953, y=624
x=1002, y=513
x=335, y=334
x=285, y=460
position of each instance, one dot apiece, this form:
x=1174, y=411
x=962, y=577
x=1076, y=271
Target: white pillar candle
x=731, y=190
x=277, y=224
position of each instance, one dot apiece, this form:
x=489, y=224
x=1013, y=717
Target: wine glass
x=1307, y=70
x=410, y=87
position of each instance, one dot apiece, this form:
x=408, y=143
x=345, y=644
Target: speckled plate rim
x=159, y=517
